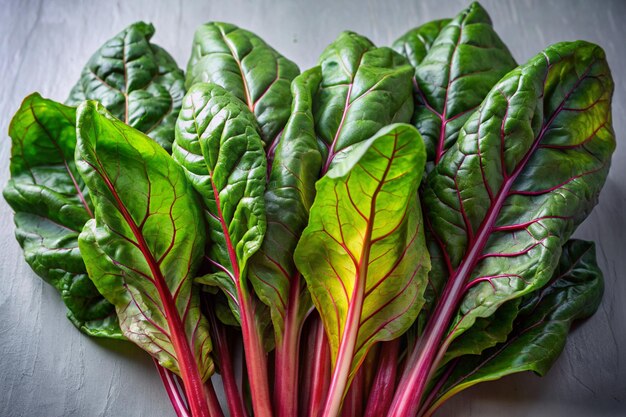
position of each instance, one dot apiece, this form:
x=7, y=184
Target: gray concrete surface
x=48, y=369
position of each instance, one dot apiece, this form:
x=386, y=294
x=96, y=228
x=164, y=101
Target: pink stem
x=385, y=380
x=233, y=398
x=287, y=357
x=320, y=370
x=176, y=397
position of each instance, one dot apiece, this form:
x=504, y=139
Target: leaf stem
x=176, y=397
x=320, y=371
x=287, y=356
x=385, y=380
x=215, y=410
x=233, y=397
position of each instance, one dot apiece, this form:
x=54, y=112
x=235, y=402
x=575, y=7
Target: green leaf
x=540, y=331
x=51, y=206
x=288, y=198
x=137, y=81
x=416, y=43
x=462, y=65
x=363, y=89
x=526, y=170
x=247, y=67
x=146, y=241
x=363, y=253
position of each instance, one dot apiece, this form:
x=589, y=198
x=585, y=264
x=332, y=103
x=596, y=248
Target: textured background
x=48, y=369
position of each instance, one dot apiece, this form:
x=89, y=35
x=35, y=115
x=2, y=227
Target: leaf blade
x=242, y=63
x=51, y=205
x=137, y=81
x=140, y=252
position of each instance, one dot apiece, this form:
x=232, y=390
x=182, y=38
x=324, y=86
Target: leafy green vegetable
x=218, y=145
x=526, y=170
x=51, y=206
x=288, y=198
x=145, y=243
x=541, y=328
x=416, y=43
x=363, y=89
x=137, y=81
x=246, y=66
x=363, y=253
x=462, y=64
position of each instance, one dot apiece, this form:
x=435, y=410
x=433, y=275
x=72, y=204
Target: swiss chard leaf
x=137, y=81
x=465, y=60
x=363, y=253
x=288, y=198
x=51, y=206
x=247, y=67
x=218, y=145
x=526, y=170
x=541, y=329
x=416, y=43
x=146, y=241
x=363, y=89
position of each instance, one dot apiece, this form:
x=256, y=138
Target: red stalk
x=215, y=410
x=287, y=356
x=320, y=372
x=233, y=397
x=176, y=398
x=385, y=380
x=353, y=402
x=194, y=388
x=256, y=359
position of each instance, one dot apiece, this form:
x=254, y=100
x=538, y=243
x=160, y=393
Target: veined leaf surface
x=363, y=89
x=463, y=63
x=246, y=66
x=146, y=241
x=137, y=81
x=541, y=329
x=51, y=206
x=526, y=170
x=363, y=253
x=415, y=44
x=288, y=198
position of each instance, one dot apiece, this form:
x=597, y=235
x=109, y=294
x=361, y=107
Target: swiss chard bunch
x=379, y=232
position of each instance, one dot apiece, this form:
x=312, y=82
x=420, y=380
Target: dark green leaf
x=363, y=253
x=416, y=43
x=526, y=170
x=218, y=145
x=146, y=241
x=247, y=67
x=540, y=331
x=289, y=195
x=51, y=206
x=137, y=81
x=462, y=64
x=363, y=89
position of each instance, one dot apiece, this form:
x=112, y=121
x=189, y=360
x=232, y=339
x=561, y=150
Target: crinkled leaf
x=462, y=64
x=246, y=66
x=289, y=195
x=218, y=146
x=363, y=253
x=416, y=43
x=146, y=241
x=526, y=170
x=363, y=89
x=137, y=81
x=51, y=206
x=541, y=329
